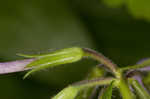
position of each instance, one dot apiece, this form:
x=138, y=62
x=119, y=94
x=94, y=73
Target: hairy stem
x=103, y=60
x=124, y=90
x=94, y=82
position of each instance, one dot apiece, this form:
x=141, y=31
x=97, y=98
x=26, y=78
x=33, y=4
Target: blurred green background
x=120, y=29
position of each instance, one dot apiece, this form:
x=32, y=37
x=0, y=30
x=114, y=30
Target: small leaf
x=68, y=93
x=59, y=57
x=107, y=93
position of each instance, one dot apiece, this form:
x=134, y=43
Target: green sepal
x=31, y=56
x=55, y=53
x=59, y=57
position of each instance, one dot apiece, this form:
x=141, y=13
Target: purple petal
x=14, y=66
x=139, y=79
x=147, y=68
x=142, y=60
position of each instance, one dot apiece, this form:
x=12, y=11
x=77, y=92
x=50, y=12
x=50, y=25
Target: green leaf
x=107, y=93
x=68, y=93
x=53, y=59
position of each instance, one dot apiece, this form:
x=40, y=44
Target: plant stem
x=94, y=82
x=102, y=59
x=124, y=90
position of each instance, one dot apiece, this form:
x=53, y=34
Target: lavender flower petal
x=14, y=66
x=138, y=78
x=147, y=68
x=144, y=69
x=142, y=60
